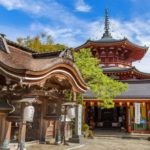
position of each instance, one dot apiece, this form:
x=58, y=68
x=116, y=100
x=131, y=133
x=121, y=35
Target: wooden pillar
x=57, y=131
x=84, y=113
x=44, y=123
x=22, y=131
x=7, y=134
x=74, y=96
x=43, y=131
x=128, y=120
x=126, y=117
x=2, y=128
x=5, y=131
x=22, y=136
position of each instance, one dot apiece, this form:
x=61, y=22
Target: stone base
x=4, y=148
x=76, y=139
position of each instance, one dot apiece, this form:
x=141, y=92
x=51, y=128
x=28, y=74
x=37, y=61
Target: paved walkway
x=104, y=140
x=99, y=144
x=116, y=144
x=54, y=147
x=120, y=134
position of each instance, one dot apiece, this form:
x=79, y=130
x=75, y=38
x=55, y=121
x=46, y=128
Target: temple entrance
x=101, y=118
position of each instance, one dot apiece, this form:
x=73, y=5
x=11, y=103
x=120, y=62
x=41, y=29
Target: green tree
x=41, y=43
x=104, y=87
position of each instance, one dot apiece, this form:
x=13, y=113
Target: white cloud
x=24, y=5
x=73, y=31
x=66, y=24
x=11, y=4
x=68, y=36
x=82, y=6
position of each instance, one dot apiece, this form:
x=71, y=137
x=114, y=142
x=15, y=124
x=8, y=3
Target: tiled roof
x=136, y=89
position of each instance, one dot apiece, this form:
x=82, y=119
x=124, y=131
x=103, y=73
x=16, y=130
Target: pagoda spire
x=107, y=33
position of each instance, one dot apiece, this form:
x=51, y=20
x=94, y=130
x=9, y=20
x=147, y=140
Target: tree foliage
x=104, y=87
x=40, y=43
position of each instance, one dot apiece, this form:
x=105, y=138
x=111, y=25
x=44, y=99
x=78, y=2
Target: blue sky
x=72, y=22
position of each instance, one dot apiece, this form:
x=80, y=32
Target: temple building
x=32, y=93
x=132, y=108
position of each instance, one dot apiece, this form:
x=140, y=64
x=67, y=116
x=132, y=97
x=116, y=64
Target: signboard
x=137, y=113
x=79, y=119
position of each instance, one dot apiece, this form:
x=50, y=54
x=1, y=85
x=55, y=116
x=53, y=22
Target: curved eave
x=145, y=48
x=61, y=66
x=138, y=51
x=110, y=42
x=142, y=73
x=83, y=45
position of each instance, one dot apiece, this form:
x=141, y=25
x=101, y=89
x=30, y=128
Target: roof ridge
x=24, y=48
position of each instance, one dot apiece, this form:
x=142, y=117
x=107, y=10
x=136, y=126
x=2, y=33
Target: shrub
x=85, y=127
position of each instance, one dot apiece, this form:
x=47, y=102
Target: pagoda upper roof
x=137, y=52
x=112, y=42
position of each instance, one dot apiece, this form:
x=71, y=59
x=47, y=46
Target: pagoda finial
x=106, y=34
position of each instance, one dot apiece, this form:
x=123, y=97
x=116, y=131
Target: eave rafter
x=33, y=78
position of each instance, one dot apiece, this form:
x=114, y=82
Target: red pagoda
x=132, y=108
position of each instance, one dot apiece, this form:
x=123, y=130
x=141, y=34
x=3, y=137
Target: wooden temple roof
x=27, y=66
x=137, y=89
x=111, y=42
x=136, y=52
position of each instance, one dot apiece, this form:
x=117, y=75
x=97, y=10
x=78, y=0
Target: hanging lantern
x=28, y=113
x=98, y=104
x=143, y=103
x=120, y=103
x=91, y=103
x=128, y=104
